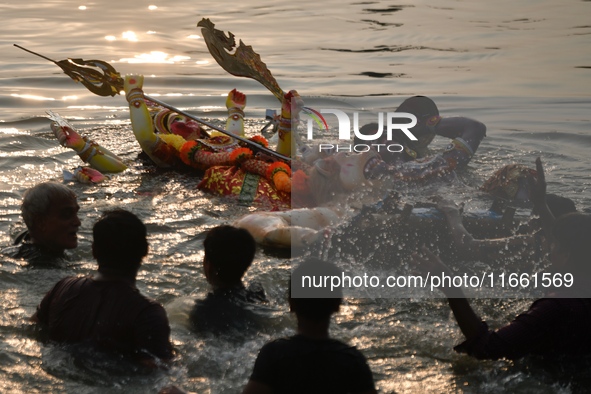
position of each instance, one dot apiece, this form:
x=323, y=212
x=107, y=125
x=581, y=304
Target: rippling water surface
x=523, y=68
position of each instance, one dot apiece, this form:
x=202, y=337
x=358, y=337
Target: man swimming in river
x=414, y=161
x=50, y=212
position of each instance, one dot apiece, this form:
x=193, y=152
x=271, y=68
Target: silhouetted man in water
x=106, y=309
x=311, y=361
x=230, y=306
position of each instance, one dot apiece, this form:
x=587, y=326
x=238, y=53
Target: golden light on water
x=117, y=122
x=126, y=35
x=82, y=7
x=94, y=107
x=194, y=36
x=209, y=108
x=129, y=35
x=11, y=130
x=152, y=7
x=155, y=57
x=41, y=98
x=32, y=97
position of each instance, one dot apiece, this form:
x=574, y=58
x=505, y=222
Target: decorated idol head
x=169, y=122
x=341, y=173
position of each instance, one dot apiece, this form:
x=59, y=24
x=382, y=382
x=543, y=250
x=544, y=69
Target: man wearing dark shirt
x=414, y=162
x=230, y=307
x=554, y=326
x=107, y=310
x=311, y=361
x=50, y=212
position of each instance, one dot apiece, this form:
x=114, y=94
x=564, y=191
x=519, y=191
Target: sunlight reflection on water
x=519, y=68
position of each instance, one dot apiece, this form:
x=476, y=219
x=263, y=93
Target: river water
x=522, y=68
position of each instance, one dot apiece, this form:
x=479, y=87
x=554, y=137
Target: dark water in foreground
x=522, y=69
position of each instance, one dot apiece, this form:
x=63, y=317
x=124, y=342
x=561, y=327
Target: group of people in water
x=107, y=310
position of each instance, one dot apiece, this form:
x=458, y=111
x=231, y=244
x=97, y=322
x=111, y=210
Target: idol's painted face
x=58, y=229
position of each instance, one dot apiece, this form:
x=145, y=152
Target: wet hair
x=559, y=205
x=573, y=233
x=230, y=250
x=119, y=242
x=321, y=302
x=37, y=201
x=423, y=108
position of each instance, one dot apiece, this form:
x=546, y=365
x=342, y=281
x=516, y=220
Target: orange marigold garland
x=259, y=139
x=276, y=167
x=280, y=173
x=193, y=154
x=187, y=152
x=240, y=155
